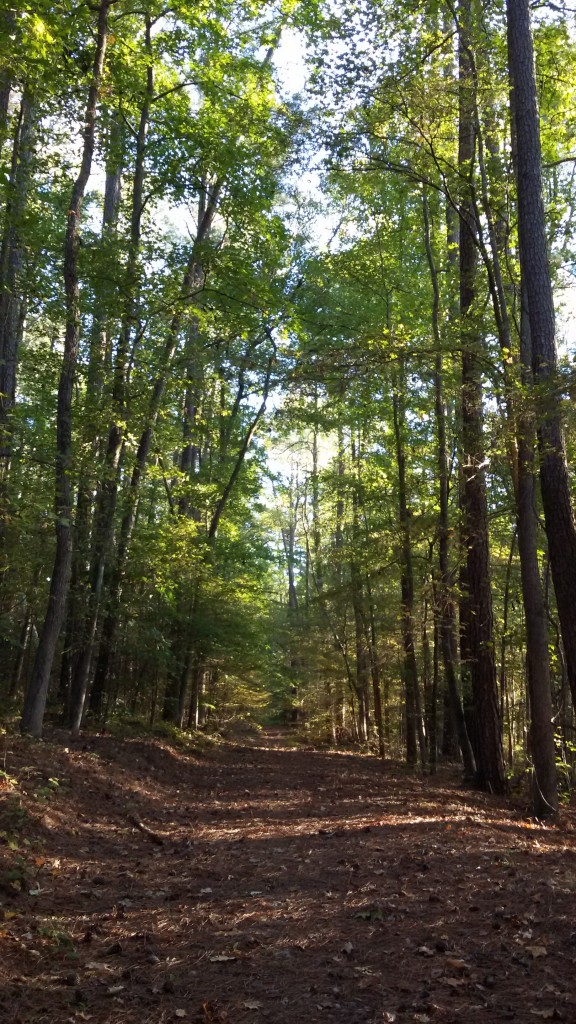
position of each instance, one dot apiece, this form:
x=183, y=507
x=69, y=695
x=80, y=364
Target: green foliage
x=248, y=561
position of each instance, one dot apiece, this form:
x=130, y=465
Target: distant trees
x=169, y=338
x=164, y=306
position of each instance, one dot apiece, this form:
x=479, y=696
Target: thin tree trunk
x=76, y=624
x=375, y=666
x=195, y=711
x=12, y=299
x=106, y=501
x=191, y=286
x=8, y=22
x=37, y=691
x=433, y=738
x=415, y=738
x=505, y=613
x=446, y=610
x=21, y=657
x=477, y=642
x=357, y=594
x=541, y=737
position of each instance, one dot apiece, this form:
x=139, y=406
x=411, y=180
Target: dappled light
x=287, y=512
x=269, y=883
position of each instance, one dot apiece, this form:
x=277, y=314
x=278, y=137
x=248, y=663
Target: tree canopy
x=285, y=411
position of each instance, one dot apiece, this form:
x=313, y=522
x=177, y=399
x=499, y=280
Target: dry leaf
x=425, y=951
x=455, y=964
x=252, y=1004
x=180, y=1013
x=537, y=951
x=347, y=948
x=221, y=959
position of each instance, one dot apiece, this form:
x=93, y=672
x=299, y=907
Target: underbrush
x=190, y=740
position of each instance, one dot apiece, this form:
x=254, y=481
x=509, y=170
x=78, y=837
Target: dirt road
x=267, y=884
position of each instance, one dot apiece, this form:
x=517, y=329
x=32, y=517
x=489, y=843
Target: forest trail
x=257, y=883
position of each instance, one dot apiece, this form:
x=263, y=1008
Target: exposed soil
x=259, y=883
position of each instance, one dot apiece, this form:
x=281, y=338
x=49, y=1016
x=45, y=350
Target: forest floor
x=257, y=883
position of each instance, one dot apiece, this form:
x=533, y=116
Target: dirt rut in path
x=142, y=886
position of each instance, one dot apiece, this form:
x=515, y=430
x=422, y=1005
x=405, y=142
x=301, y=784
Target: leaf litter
x=291, y=884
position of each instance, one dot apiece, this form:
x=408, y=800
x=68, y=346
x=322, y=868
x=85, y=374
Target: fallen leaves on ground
x=273, y=884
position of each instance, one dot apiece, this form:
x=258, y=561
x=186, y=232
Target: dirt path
x=273, y=885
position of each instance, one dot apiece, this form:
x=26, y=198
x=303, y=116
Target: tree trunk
x=541, y=737
x=195, y=710
x=191, y=285
x=375, y=666
x=446, y=614
x=37, y=691
x=8, y=21
x=477, y=642
x=106, y=502
x=414, y=729
x=558, y=512
x=12, y=299
x=78, y=625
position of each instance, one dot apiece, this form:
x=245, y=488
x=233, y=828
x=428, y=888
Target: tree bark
x=477, y=641
x=37, y=691
x=415, y=739
x=446, y=614
x=535, y=267
x=191, y=285
x=106, y=502
x=12, y=299
x=541, y=736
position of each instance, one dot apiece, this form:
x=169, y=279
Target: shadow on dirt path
x=142, y=885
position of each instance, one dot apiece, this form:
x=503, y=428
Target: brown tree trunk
x=414, y=730
x=12, y=300
x=446, y=614
x=375, y=667
x=106, y=501
x=37, y=691
x=191, y=286
x=8, y=21
x=521, y=461
x=541, y=736
x=76, y=623
x=477, y=640
x=535, y=267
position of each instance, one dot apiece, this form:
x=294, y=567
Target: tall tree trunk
x=429, y=707
x=446, y=610
x=535, y=267
x=78, y=599
x=8, y=20
x=12, y=300
x=191, y=286
x=372, y=641
x=521, y=461
x=541, y=737
x=477, y=642
x=361, y=683
x=414, y=731
x=106, y=502
x=37, y=691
